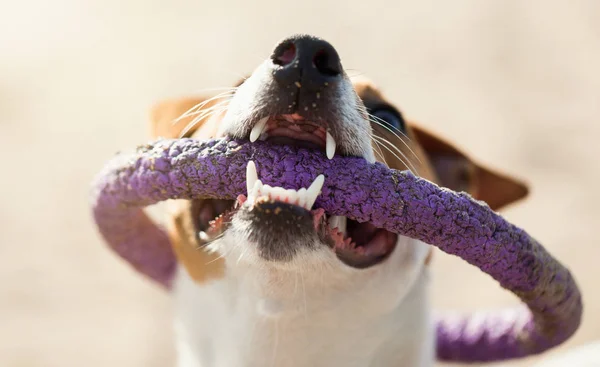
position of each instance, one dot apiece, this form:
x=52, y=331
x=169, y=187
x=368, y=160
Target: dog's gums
x=358, y=245
x=363, y=246
x=395, y=201
x=291, y=246
x=293, y=129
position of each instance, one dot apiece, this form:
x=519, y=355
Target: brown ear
x=167, y=117
x=458, y=172
x=167, y=122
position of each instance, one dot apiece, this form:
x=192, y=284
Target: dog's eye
x=389, y=117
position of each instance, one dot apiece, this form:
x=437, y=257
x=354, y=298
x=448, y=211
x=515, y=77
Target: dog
x=259, y=282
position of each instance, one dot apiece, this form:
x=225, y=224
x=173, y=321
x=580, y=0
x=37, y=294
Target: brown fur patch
x=438, y=161
x=201, y=264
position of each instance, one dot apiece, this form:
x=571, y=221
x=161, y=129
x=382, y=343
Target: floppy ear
x=458, y=172
x=167, y=117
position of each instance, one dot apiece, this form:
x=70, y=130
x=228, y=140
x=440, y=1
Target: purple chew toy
x=390, y=199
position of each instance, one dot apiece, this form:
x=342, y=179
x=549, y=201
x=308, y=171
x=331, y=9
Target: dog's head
x=301, y=96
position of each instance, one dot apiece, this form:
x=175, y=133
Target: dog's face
x=301, y=96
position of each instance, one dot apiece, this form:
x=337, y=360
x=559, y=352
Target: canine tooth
x=258, y=129
x=339, y=222
x=251, y=176
x=330, y=146
x=314, y=190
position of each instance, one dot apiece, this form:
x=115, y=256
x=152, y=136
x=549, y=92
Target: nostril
x=285, y=54
x=305, y=60
x=326, y=64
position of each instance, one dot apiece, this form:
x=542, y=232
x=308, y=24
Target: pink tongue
x=380, y=244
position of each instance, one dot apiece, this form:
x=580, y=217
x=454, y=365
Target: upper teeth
x=257, y=130
x=303, y=197
x=330, y=146
x=260, y=126
x=251, y=176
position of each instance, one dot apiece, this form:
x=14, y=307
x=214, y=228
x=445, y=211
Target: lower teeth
x=339, y=222
x=203, y=236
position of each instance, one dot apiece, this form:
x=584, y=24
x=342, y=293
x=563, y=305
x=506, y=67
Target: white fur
x=314, y=311
x=354, y=130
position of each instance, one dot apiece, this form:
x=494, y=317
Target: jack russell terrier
x=260, y=286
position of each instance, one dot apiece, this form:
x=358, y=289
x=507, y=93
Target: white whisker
x=396, y=148
x=202, y=104
x=387, y=145
x=404, y=161
x=198, y=119
x=386, y=126
x=378, y=150
x=215, y=259
x=215, y=89
x=205, y=110
x=241, y=256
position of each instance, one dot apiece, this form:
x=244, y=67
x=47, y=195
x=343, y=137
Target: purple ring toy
x=396, y=201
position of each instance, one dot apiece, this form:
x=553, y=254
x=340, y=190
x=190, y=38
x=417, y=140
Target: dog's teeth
x=278, y=193
x=258, y=129
x=253, y=192
x=292, y=196
x=251, y=176
x=302, y=197
x=313, y=191
x=258, y=187
x=203, y=236
x=265, y=190
x=330, y=146
x=305, y=197
x=339, y=222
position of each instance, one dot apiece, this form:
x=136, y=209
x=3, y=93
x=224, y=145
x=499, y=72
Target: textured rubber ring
x=395, y=200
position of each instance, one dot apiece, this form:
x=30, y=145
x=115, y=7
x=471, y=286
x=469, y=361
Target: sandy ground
x=517, y=84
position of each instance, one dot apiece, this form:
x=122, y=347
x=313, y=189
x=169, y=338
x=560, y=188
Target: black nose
x=308, y=60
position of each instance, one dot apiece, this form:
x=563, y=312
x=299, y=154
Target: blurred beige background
x=515, y=83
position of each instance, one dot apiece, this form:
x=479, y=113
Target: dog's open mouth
x=293, y=129
x=359, y=245
x=211, y=217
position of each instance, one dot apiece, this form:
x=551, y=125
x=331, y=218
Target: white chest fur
x=257, y=317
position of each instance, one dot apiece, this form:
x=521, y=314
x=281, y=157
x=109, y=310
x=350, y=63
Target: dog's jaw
x=310, y=305
x=283, y=317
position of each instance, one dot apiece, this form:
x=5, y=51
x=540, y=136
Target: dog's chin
x=285, y=235
x=278, y=230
